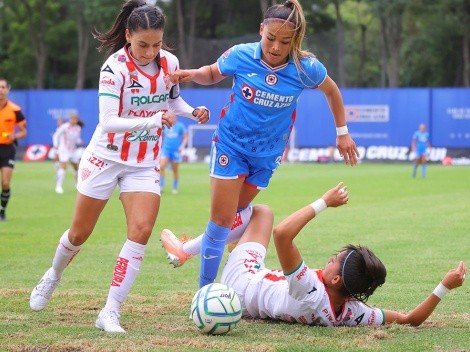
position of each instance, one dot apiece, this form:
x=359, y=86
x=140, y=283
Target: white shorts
x=98, y=177
x=73, y=156
x=243, y=270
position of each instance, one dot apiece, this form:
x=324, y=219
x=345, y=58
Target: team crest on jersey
x=223, y=160
x=248, y=93
x=271, y=79
x=121, y=58
x=107, y=69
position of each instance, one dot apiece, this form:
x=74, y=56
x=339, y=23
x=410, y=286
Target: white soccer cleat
x=108, y=320
x=59, y=189
x=43, y=291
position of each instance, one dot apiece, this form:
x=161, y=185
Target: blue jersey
x=260, y=116
x=173, y=137
x=421, y=139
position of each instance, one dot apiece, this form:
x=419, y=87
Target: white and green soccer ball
x=216, y=309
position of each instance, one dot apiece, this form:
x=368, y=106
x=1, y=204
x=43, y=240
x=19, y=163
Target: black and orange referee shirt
x=10, y=116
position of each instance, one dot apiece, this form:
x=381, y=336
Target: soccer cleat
x=59, y=189
x=108, y=320
x=174, y=248
x=174, y=191
x=3, y=217
x=43, y=291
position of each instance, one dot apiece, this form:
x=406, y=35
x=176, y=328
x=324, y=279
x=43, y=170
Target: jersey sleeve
x=228, y=61
x=315, y=71
x=303, y=283
x=364, y=315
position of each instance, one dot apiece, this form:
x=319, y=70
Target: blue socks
x=212, y=250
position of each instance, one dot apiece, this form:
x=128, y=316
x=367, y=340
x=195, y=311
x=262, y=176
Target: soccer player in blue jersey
x=175, y=140
x=420, y=145
x=254, y=127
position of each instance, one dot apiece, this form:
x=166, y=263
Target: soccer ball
x=216, y=309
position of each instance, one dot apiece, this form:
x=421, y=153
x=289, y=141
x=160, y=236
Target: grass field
x=419, y=228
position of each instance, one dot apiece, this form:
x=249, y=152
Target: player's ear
x=337, y=280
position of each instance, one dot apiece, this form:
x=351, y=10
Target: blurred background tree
x=363, y=43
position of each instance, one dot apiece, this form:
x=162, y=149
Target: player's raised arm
x=453, y=279
x=288, y=229
x=205, y=75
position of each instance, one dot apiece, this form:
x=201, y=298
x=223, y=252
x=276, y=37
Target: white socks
x=60, y=176
x=125, y=271
x=239, y=225
x=64, y=254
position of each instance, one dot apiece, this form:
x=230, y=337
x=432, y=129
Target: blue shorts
x=172, y=154
x=421, y=150
x=226, y=163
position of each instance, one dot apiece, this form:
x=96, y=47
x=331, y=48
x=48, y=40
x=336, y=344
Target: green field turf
x=419, y=228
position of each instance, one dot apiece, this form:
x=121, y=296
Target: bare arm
x=205, y=75
x=345, y=144
x=184, y=142
x=453, y=279
x=289, y=228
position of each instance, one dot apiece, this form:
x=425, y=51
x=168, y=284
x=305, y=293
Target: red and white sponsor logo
x=371, y=318
x=120, y=270
x=301, y=274
x=107, y=81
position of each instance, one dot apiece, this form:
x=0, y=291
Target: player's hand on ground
x=202, y=114
x=180, y=76
x=168, y=120
x=455, y=277
x=347, y=149
x=336, y=196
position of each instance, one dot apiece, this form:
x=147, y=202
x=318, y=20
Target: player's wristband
x=342, y=130
x=440, y=290
x=319, y=205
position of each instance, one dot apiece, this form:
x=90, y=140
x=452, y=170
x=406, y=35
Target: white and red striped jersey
x=67, y=137
x=131, y=92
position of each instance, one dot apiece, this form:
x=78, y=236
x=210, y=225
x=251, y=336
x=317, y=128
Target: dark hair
x=361, y=272
x=291, y=11
x=135, y=15
x=8, y=83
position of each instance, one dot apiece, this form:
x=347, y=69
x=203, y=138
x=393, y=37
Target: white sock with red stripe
x=125, y=271
x=240, y=223
x=64, y=254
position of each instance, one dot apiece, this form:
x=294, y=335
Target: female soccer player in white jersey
x=254, y=127
x=332, y=296
x=67, y=143
x=136, y=101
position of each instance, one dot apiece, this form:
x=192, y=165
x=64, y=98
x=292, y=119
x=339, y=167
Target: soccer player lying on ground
x=333, y=296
